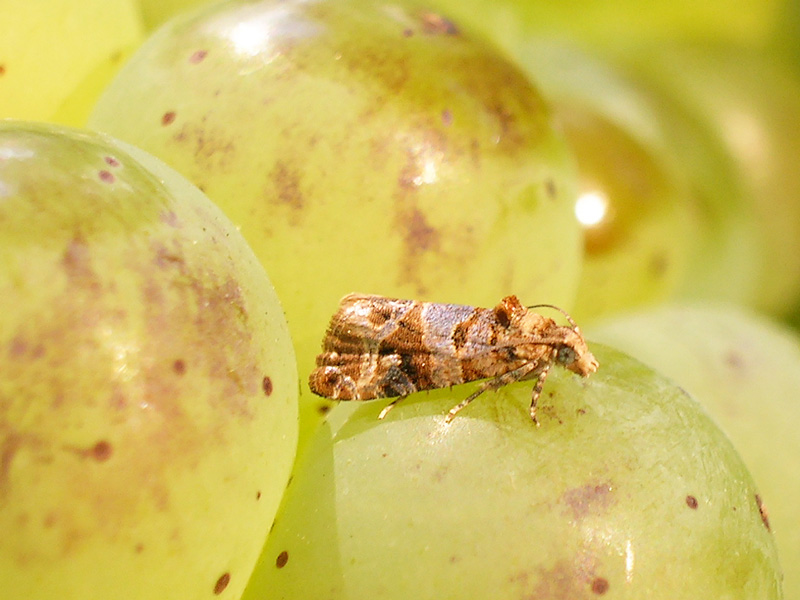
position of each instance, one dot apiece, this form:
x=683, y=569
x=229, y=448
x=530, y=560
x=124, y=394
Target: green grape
x=627, y=489
x=640, y=227
x=360, y=148
x=48, y=47
x=674, y=218
x=618, y=23
x=745, y=371
x=156, y=12
x=148, y=417
x=76, y=106
x=751, y=102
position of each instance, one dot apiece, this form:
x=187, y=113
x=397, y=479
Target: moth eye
x=566, y=355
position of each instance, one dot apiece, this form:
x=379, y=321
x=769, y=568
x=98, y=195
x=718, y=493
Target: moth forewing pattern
x=378, y=347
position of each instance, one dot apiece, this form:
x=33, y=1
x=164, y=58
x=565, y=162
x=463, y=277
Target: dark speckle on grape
x=691, y=502
x=168, y=117
x=106, y=177
x=101, y=451
x=222, y=583
x=600, y=586
x=282, y=559
x=266, y=385
x=762, y=509
x=111, y=161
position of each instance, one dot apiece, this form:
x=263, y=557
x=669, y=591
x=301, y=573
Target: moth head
x=571, y=350
x=573, y=353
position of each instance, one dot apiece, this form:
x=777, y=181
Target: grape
x=627, y=489
x=360, y=148
x=745, y=370
x=640, y=227
x=676, y=221
x=751, y=101
x=76, y=106
x=625, y=23
x=156, y=12
x=148, y=417
x=48, y=47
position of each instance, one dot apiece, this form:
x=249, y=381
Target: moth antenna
x=570, y=320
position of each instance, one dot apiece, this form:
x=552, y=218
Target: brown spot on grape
x=106, y=176
x=447, y=117
x=419, y=238
x=17, y=347
x=408, y=32
x=198, y=56
x=735, y=360
x=282, y=559
x=258, y=495
x=762, y=510
x=138, y=548
x=436, y=24
x=101, y=451
x=590, y=499
x=77, y=264
x=550, y=189
x=600, y=586
x=691, y=502
x=179, y=366
x=266, y=385
x=2, y=70
x=286, y=184
x=111, y=161
x=168, y=217
x=8, y=450
x=222, y=583
x=168, y=117
x=659, y=264
x=324, y=409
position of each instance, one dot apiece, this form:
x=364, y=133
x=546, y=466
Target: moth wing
x=362, y=323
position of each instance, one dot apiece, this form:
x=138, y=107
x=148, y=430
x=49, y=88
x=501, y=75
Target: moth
x=378, y=347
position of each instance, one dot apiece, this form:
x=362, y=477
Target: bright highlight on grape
x=591, y=208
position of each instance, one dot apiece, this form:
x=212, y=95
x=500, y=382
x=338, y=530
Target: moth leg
x=492, y=384
x=390, y=406
x=537, y=390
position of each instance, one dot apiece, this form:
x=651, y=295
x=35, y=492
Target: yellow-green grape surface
x=360, y=147
x=745, y=370
x=751, y=101
x=156, y=12
x=75, y=108
x=621, y=22
x=674, y=165
x=626, y=490
x=48, y=47
x=638, y=218
x=148, y=416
